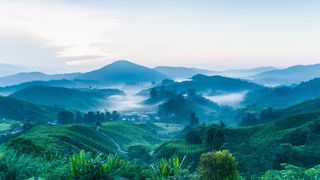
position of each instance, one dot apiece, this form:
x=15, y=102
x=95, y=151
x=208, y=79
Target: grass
x=61, y=140
x=127, y=134
x=64, y=140
x=262, y=147
x=7, y=124
x=170, y=127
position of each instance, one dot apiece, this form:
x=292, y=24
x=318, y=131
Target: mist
x=130, y=102
x=231, y=99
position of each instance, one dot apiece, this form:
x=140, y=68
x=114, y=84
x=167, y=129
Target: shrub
x=193, y=137
x=292, y=172
x=219, y=165
x=214, y=137
x=169, y=169
x=15, y=165
x=139, y=152
x=84, y=166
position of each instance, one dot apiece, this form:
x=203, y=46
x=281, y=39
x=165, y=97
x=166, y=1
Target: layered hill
x=11, y=108
x=113, y=137
x=33, y=76
x=77, y=99
x=76, y=83
x=182, y=72
x=209, y=85
x=290, y=75
x=284, y=96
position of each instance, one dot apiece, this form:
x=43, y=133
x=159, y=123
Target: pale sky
x=79, y=35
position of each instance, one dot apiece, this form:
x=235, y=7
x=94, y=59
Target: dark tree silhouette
x=194, y=120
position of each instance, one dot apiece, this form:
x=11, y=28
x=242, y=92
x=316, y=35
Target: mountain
x=8, y=69
x=182, y=72
x=284, y=96
x=77, y=99
x=11, y=108
x=244, y=73
x=123, y=72
x=33, y=76
x=211, y=85
x=290, y=75
x=76, y=83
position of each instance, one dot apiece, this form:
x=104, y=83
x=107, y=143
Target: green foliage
x=139, y=152
x=214, y=137
x=83, y=166
x=65, y=117
x=128, y=133
x=171, y=168
x=20, y=110
x=194, y=120
x=22, y=166
x=193, y=137
x=291, y=172
x=77, y=99
x=64, y=140
x=219, y=165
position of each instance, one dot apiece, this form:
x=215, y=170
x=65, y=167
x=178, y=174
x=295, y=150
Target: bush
x=139, y=152
x=219, y=165
x=84, y=166
x=193, y=137
x=292, y=172
x=169, y=169
x=214, y=137
x=17, y=166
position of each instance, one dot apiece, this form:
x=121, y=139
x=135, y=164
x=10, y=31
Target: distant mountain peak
x=124, y=71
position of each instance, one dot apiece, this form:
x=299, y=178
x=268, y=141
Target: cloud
x=73, y=31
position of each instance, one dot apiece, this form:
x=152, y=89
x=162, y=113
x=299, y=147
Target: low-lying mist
x=232, y=99
x=130, y=102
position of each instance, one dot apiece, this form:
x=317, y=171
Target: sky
x=80, y=35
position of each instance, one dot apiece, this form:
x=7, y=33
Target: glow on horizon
x=210, y=34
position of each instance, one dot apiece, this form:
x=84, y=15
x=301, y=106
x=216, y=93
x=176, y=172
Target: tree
x=193, y=137
x=214, y=137
x=219, y=165
x=267, y=114
x=65, y=117
x=107, y=115
x=249, y=119
x=191, y=92
x=79, y=118
x=222, y=124
x=138, y=152
x=194, y=120
x=115, y=116
x=153, y=93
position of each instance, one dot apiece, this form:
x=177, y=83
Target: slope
x=123, y=72
x=78, y=99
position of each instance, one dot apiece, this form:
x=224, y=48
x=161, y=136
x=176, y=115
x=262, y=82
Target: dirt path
x=114, y=142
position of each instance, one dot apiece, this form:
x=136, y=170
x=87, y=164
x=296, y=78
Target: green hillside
x=61, y=140
x=67, y=139
x=293, y=140
x=11, y=108
x=284, y=96
x=127, y=134
x=210, y=85
x=78, y=99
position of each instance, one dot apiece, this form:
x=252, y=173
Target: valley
x=146, y=121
